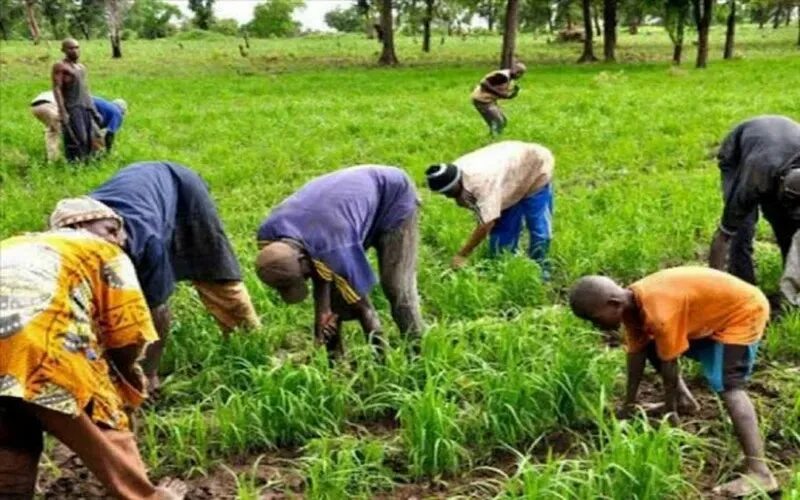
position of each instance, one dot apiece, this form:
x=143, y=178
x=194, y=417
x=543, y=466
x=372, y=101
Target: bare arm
x=718, y=253
x=58, y=81
x=476, y=238
x=635, y=369
x=323, y=315
x=670, y=374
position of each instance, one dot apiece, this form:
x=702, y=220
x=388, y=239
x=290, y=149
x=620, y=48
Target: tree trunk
x=702, y=16
x=115, y=13
x=596, y=17
x=677, y=46
x=426, y=26
x=388, y=55
x=776, y=20
x=588, y=49
x=730, y=32
x=609, y=29
x=33, y=26
x=510, y=34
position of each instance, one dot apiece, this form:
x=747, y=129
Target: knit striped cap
x=442, y=177
x=71, y=211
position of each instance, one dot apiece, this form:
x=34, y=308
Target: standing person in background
x=111, y=115
x=45, y=109
x=504, y=184
x=500, y=84
x=75, y=106
x=174, y=233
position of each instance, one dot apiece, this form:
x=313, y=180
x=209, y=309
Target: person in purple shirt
x=322, y=233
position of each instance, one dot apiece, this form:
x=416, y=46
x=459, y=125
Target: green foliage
x=227, y=27
x=503, y=366
x=152, y=18
x=203, y=13
x=345, y=467
x=345, y=20
x=273, y=18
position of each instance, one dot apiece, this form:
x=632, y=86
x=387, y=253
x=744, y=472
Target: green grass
x=504, y=366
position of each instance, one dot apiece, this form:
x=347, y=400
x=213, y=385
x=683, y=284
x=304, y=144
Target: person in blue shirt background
x=112, y=113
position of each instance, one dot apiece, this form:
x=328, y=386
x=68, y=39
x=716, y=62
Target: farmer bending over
x=322, y=233
x=73, y=323
x=500, y=84
x=503, y=184
x=111, y=115
x=705, y=314
x=760, y=165
x=174, y=234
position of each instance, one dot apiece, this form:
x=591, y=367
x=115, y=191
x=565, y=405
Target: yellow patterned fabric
x=350, y=296
x=66, y=297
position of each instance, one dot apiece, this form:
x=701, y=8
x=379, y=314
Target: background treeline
x=579, y=21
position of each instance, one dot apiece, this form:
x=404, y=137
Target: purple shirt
x=338, y=216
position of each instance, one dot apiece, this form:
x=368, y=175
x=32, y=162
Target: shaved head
x=68, y=42
x=598, y=299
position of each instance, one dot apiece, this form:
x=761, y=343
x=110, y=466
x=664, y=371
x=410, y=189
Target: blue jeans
x=537, y=211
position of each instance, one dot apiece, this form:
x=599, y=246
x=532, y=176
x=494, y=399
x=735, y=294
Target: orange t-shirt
x=687, y=303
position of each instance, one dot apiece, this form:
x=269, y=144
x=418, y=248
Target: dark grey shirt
x=758, y=151
x=76, y=94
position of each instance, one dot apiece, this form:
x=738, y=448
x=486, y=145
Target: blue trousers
x=537, y=212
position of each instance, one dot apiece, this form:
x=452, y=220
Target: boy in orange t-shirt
x=704, y=314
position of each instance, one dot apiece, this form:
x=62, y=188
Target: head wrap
x=122, y=105
x=520, y=67
x=442, y=177
x=278, y=265
x=71, y=211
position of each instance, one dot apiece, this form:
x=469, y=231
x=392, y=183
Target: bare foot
x=748, y=484
x=171, y=489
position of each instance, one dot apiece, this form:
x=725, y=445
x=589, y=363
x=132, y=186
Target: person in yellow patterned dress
x=73, y=324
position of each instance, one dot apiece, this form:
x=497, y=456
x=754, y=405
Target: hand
x=64, y=118
x=458, y=262
x=515, y=91
x=327, y=328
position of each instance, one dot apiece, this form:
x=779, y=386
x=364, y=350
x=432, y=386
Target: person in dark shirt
x=322, y=233
x=760, y=165
x=174, y=233
x=500, y=84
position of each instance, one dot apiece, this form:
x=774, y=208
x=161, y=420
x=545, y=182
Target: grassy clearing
x=504, y=371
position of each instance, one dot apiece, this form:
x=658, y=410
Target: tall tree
x=388, y=55
x=55, y=13
x=203, y=13
x=730, y=31
x=33, y=25
x=12, y=15
x=702, y=19
x=86, y=16
x=151, y=18
x=427, y=19
x=588, y=49
x=344, y=20
x=510, y=34
x=274, y=18
x=115, y=14
x=609, y=30
x=676, y=13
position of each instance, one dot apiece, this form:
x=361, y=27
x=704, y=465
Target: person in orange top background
x=705, y=314
x=73, y=325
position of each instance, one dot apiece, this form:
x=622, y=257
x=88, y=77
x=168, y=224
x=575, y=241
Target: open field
x=511, y=396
